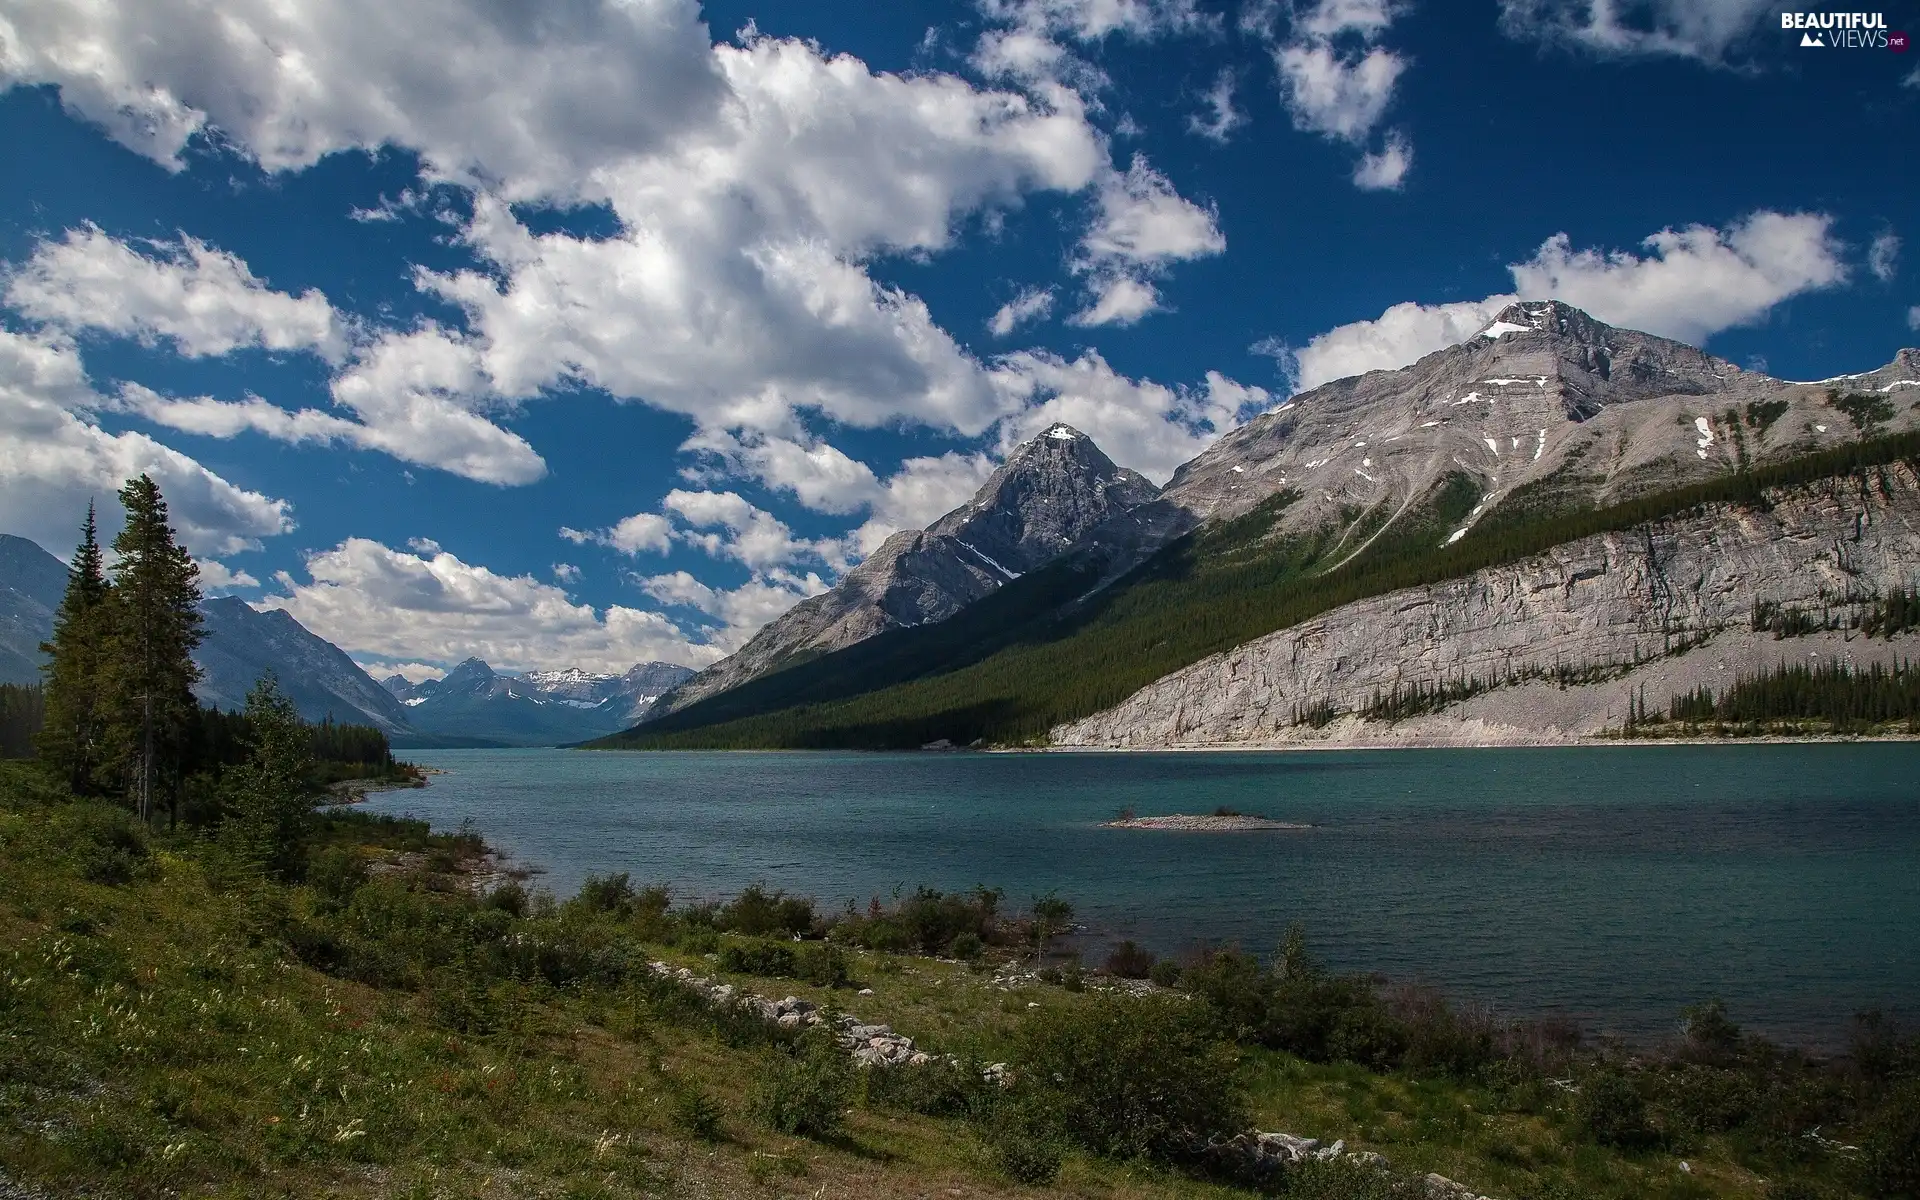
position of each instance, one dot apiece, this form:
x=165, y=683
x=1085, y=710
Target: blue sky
x=607, y=334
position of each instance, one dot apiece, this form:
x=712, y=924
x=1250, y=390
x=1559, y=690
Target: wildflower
x=351, y=1130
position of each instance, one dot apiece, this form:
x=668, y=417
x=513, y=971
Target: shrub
x=1612, y=1110
x=822, y=964
x=1165, y=973
x=758, y=912
x=1892, y=1143
x=1710, y=1033
x=335, y=873
x=1235, y=988
x=1131, y=1075
x=694, y=1111
x=966, y=947
x=757, y=956
x=805, y=1091
x=1339, y=1179
x=608, y=894
x=509, y=898
x=1129, y=961
x=106, y=845
x=938, y=1089
x=1023, y=1146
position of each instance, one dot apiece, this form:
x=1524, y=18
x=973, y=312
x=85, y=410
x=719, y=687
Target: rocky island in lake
x=1218, y=822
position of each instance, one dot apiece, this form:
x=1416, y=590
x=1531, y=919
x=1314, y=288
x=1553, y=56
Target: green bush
x=805, y=1090
x=694, y=1111
x=607, y=894
x=335, y=873
x=1165, y=973
x=1129, y=961
x=966, y=947
x=757, y=912
x=757, y=956
x=822, y=964
x=1892, y=1143
x=1021, y=1142
x=105, y=843
x=1131, y=1075
x=1339, y=1179
x=1612, y=1110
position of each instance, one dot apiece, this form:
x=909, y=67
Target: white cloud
x=533, y=101
x=1707, y=30
x=1401, y=335
x=746, y=534
x=1091, y=20
x=419, y=394
x=372, y=600
x=1337, y=80
x=565, y=572
x=1691, y=284
x=1221, y=117
x=634, y=535
x=1032, y=304
x=1334, y=93
x=54, y=458
x=205, y=301
x=217, y=578
x=1140, y=424
x=739, y=612
x=817, y=474
x=1913, y=318
x=412, y=672
x=1883, y=257
x=1118, y=300
x=423, y=545
x=1695, y=281
x=1143, y=227
x=1387, y=170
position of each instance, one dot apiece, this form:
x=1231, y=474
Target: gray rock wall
x=1614, y=599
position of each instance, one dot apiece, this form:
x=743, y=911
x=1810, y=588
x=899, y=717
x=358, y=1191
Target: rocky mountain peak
x=1052, y=492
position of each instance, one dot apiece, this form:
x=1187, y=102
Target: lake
x=1611, y=884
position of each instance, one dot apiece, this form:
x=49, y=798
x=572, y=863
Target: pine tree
x=71, y=739
x=269, y=797
x=155, y=617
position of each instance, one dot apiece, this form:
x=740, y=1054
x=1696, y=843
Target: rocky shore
x=1204, y=823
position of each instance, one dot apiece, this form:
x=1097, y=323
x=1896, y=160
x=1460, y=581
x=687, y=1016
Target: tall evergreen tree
x=71, y=739
x=270, y=797
x=155, y=611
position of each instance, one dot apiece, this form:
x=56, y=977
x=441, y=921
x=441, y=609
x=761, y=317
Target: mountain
x=1040, y=504
x=31, y=585
x=1545, y=428
x=475, y=704
x=241, y=644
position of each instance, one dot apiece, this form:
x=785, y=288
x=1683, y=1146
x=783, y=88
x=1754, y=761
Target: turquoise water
x=1613, y=884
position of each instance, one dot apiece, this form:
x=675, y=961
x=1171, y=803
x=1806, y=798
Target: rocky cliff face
x=1042, y=502
x=243, y=644
x=1586, y=611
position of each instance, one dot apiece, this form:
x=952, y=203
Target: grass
x=167, y=1028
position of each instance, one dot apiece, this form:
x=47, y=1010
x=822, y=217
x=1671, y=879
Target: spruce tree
x=269, y=798
x=71, y=739
x=155, y=614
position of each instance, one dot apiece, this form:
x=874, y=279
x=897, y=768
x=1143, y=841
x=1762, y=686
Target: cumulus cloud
x=1689, y=285
x=1387, y=170
x=1337, y=80
x=1221, y=117
x=204, y=301
x=216, y=578
x=419, y=395
x=1694, y=281
x=726, y=525
x=531, y=102
x=412, y=672
x=1032, y=304
x=1883, y=257
x=1913, y=318
x=565, y=572
x=1091, y=20
x=55, y=457
x=1706, y=30
x=1144, y=226
x=372, y=600
x=738, y=613
x=634, y=535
